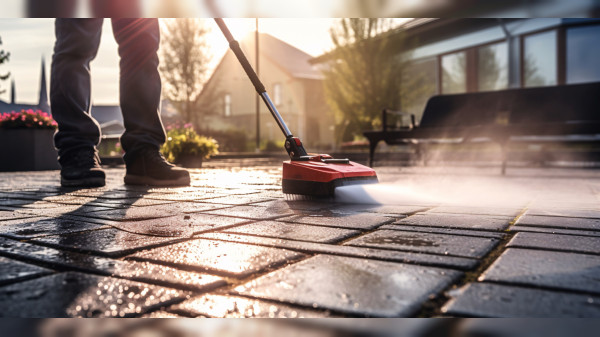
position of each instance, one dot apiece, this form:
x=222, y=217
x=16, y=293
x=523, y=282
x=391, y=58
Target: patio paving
x=450, y=241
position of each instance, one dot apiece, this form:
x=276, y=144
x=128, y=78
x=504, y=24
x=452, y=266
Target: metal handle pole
x=260, y=88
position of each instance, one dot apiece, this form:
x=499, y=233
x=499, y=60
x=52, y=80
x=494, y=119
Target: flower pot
x=27, y=150
x=190, y=161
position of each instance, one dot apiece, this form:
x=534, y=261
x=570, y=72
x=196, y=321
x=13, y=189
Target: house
x=453, y=55
x=109, y=117
x=294, y=86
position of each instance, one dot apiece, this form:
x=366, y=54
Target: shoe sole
x=87, y=182
x=131, y=179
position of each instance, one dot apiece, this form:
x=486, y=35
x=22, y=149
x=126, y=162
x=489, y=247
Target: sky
x=28, y=40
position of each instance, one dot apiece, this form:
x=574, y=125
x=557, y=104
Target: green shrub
x=272, y=145
x=232, y=140
x=183, y=141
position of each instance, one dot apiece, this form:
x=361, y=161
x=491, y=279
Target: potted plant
x=26, y=142
x=187, y=148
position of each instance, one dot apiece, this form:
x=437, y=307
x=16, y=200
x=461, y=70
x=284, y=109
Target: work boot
x=147, y=166
x=81, y=168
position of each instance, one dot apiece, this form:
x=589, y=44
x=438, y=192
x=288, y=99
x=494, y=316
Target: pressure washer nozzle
x=320, y=175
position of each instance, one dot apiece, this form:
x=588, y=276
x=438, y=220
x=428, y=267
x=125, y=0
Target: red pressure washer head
x=319, y=175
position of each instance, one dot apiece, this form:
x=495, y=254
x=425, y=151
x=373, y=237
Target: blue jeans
x=76, y=45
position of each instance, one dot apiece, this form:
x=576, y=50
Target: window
x=419, y=83
x=227, y=105
x=539, y=59
x=277, y=93
x=454, y=73
x=492, y=67
x=583, y=54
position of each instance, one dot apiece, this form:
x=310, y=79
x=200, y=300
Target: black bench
x=500, y=116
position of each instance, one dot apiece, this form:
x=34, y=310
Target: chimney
x=43, y=101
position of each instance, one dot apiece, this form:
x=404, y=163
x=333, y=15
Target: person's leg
x=115, y=8
x=140, y=89
x=78, y=133
x=50, y=9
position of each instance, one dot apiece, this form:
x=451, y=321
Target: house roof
x=9, y=107
x=293, y=60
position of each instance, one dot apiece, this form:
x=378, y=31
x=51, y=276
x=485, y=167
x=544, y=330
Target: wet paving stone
x=137, y=271
x=183, y=225
x=192, y=195
x=37, y=227
x=14, y=271
x=508, y=212
x=81, y=295
x=468, y=221
x=140, y=213
x=63, y=210
x=161, y=314
x=494, y=300
x=109, y=242
x=536, y=229
x=295, y=231
x=341, y=283
x=557, y=270
x=228, y=306
x=380, y=209
x=568, y=243
x=565, y=212
x=125, y=203
x=359, y=252
x=445, y=230
x=296, y=205
x=164, y=275
x=36, y=204
x=253, y=212
x=454, y=245
x=11, y=215
x=353, y=221
x=14, y=202
x=230, y=259
x=238, y=199
x=65, y=199
x=559, y=222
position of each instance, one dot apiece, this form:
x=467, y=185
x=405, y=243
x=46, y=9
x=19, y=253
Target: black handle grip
x=235, y=47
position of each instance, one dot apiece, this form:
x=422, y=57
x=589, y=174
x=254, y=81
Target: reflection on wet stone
x=46, y=226
x=253, y=212
x=350, y=285
x=239, y=307
x=182, y=225
x=295, y=231
x=14, y=270
x=557, y=270
x=360, y=252
x=495, y=300
x=80, y=295
x=111, y=242
x=233, y=259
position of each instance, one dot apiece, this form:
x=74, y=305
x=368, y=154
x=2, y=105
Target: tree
x=4, y=57
x=364, y=74
x=185, y=56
